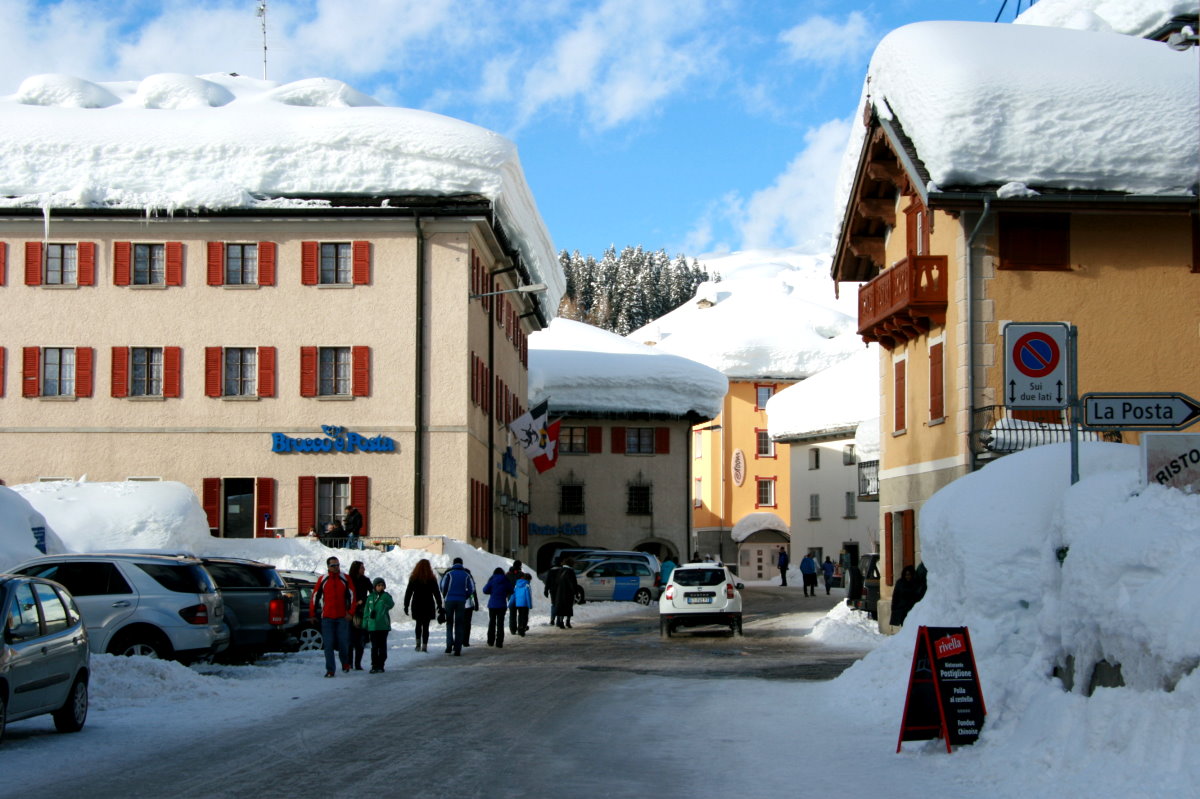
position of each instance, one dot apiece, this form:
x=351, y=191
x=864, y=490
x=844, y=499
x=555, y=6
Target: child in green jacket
x=377, y=622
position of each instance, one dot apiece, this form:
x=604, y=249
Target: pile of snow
x=582, y=368
x=1125, y=593
x=1131, y=17
x=19, y=522
x=175, y=141
x=992, y=104
x=841, y=396
x=752, y=523
x=773, y=318
x=866, y=439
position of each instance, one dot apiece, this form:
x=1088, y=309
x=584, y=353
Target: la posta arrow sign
x=1146, y=410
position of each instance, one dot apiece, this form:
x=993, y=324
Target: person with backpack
x=334, y=595
x=377, y=622
x=513, y=574
x=457, y=588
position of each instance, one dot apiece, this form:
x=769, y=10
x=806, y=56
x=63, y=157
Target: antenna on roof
x=262, y=14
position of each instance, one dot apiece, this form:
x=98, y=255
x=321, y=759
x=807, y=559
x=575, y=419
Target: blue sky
x=693, y=125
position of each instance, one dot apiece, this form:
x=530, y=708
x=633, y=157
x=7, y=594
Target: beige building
x=284, y=365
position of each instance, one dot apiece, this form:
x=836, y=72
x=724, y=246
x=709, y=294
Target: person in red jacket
x=334, y=594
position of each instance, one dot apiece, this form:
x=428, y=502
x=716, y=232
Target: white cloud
x=828, y=42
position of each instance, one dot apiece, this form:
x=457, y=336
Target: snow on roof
x=17, y=522
x=866, y=440
x=773, y=316
x=753, y=523
x=176, y=141
x=988, y=104
x=582, y=368
x=841, y=396
x=1131, y=17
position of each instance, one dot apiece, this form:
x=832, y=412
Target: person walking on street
x=668, y=566
x=808, y=568
x=564, y=593
x=827, y=569
x=457, y=589
x=498, y=591
x=513, y=574
x=423, y=598
x=550, y=590
x=353, y=525
x=335, y=596
x=472, y=606
x=522, y=603
x=377, y=621
x=782, y=560
x=358, y=633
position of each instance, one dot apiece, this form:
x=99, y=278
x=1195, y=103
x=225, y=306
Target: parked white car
x=699, y=594
x=621, y=580
x=164, y=606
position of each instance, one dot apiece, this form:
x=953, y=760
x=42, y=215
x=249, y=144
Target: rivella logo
x=950, y=645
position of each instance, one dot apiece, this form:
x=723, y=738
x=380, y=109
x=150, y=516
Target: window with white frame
x=241, y=264
x=146, y=372
x=761, y=395
x=149, y=265
x=765, y=492
x=765, y=446
x=697, y=444
x=62, y=265
x=58, y=371
x=850, y=510
x=334, y=369
x=814, y=507
x=639, y=440
x=572, y=440
x=337, y=263
x=241, y=372
x=333, y=495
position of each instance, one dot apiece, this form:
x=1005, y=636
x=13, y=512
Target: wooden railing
x=904, y=301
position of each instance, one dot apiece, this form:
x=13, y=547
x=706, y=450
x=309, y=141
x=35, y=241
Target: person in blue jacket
x=827, y=569
x=522, y=602
x=808, y=568
x=782, y=560
x=457, y=590
x=498, y=590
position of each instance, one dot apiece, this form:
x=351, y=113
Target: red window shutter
x=474, y=387
x=2, y=372
x=937, y=405
x=1040, y=417
x=595, y=439
x=908, y=533
x=308, y=371
x=3, y=263
x=264, y=506
x=212, y=372
x=172, y=358
x=901, y=422
x=360, y=371
x=174, y=251
x=31, y=361
x=887, y=548
x=33, y=263
x=360, y=259
x=86, y=267
x=120, y=371
x=487, y=389
x=360, y=496
x=267, y=256
x=122, y=258
x=266, y=371
x=210, y=494
x=309, y=263
x=216, y=263
x=306, y=501
x=83, y=371
x=662, y=441
x=618, y=441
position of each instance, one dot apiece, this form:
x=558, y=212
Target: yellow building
x=950, y=261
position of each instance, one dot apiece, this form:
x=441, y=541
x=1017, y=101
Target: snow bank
x=1046, y=107
x=841, y=396
x=1126, y=593
x=175, y=141
x=583, y=368
x=18, y=519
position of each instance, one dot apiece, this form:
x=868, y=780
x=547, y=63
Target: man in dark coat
x=353, y=526
x=783, y=566
x=512, y=575
x=564, y=593
x=550, y=590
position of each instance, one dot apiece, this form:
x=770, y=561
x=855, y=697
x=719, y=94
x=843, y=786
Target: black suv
x=261, y=610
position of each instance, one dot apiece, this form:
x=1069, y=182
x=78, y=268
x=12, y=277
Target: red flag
x=549, y=456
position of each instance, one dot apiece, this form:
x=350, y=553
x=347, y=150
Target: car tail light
x=276, y=612
x=196, y=614
x=670, y=591
x=657, y=579
x=729, y=590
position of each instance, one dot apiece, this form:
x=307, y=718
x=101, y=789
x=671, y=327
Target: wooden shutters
x=216, y=263
x=360, y=496
x=172, y=380
x=174, y=259
x=899, y=388
x=119, y=378
x=86, y=263
x=360, y=255
x=266, y=371
x=122, y=263
x=908, y=538
x=310, y=263
x=33, y=263
x=361, y=371
x=887, y=548
x=662, y=441
x=264, y=507
x=210, y=498
x=3, y=364
x=937, y=402
x=212, y=372
x=84, y=357
x=3, y=263
x=267, y=256
x=618, y=441
x=31, y=361
x=595, y=439
x=1035, y=241
x=308, y=371
x=306, y=500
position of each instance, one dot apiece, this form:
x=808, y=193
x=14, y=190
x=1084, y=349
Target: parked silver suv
x=44, y=658
x=164, y=606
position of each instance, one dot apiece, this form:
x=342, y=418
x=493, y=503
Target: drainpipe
x=419, y=390
x=987, y=209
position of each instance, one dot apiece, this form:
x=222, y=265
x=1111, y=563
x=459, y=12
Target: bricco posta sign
x=336, y=439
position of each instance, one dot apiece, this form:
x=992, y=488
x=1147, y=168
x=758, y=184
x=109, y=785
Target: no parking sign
x=1036, y=365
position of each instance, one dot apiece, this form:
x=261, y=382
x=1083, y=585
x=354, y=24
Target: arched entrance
x=759, y=537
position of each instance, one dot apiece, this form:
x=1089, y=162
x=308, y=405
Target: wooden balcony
x=903, y=302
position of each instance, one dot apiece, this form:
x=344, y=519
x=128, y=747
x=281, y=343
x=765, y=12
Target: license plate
x=699, y=600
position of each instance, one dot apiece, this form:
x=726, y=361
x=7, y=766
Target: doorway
x=238, y=508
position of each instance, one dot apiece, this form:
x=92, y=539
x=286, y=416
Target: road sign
x=1036, y=365
x=1147, y=410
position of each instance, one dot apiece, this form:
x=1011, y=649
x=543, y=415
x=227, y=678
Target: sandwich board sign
x=944, y=698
